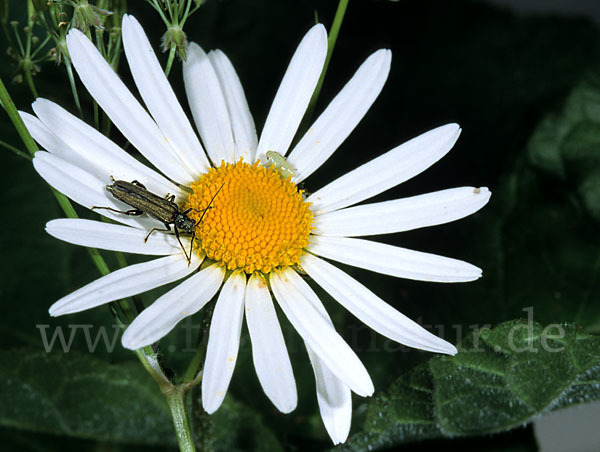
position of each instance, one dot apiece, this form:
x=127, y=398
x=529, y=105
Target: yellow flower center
x=257, y=222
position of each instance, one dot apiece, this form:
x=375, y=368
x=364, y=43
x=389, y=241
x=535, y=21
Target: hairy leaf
x=77, y=395
x=500, y=379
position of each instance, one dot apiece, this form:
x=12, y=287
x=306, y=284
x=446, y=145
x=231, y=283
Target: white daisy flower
x=261, y=229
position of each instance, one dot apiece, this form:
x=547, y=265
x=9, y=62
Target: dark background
x=499, y=75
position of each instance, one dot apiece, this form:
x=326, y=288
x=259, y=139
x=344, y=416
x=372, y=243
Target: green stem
x=335, y=29
x=106, y=125
x=73, y=86
x=333, y=35
x=5, y=11
x=176, y=401
x=186, y=14
x=96, y=116
x=159, y=10
x=30, y=23
x=100, y=43
x=97, y=258
x=13, y=114
x=31, y=84
x=172, y=51
x=192, y=371
x=41, y=46
x=116, y=52
x=18, y=38
x=191, y=374
x=17, y=151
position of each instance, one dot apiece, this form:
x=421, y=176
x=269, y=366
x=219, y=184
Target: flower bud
x=87, y=15
x=175, y=37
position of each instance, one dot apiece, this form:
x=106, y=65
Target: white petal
x=341, y=116
x=126, y=282
x=403, y=214
x=122, y=108
x=53, y=144
x=79, y=185
x=334, y=399
x=370, y=309
x=114, y=237
x=86, y=189
x=386, y=171
x=106, y=157
x=242, y=123
x=333, y=395
x=301, y=307
x=393, y=260
x=184, y=300
x=294, y=93
x=269, y=352
x=223, y=342
x=208, y=105
x=160, y=98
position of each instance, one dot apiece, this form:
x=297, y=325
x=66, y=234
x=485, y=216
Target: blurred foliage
x=526, y=94
x=78, y=395
x=565, y=145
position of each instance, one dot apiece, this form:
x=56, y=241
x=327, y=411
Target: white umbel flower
x=261, y=227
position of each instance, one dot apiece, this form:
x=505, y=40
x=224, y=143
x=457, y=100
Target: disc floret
x=259, y=221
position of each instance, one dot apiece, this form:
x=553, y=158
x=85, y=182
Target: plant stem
x=192, y=372
x=73, y=86
x=170, y=60
x=176, y=401
x=16, y=150
x=333, y=34
x=13, y=114
x=31, y=84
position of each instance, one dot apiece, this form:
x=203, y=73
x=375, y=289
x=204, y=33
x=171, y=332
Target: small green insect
x=281, y=164
x=163, y=209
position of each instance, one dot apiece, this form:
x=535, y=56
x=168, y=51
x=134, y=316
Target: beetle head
x=184, y=223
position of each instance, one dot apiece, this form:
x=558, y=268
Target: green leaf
x=25, y=441
x=77, y=395
x=499, y=380
x=236, y=427
x=567, y=145
x=581, y=157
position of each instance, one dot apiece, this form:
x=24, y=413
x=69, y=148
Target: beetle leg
x=139, y=184
x=131, y=212
x=170, y=197
x=191, y=245
x=189, y=258
x=158, y=229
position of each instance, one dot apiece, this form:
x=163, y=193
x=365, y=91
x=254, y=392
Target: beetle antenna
x=210, y=203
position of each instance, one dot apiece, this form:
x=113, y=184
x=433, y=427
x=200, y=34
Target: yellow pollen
x=258, y=221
